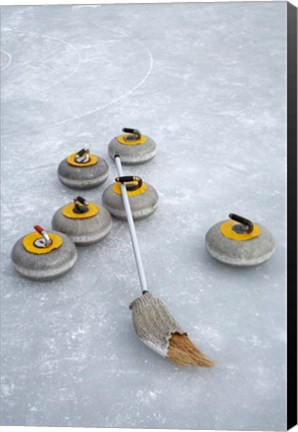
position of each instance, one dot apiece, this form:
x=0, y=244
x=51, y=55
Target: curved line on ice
x=9, y=59
x=65, y=77
x=111, y=102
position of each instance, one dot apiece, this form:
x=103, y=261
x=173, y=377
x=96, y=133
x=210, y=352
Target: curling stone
x=143, y=198
x=239, y=242
x=83, y=170
x=84, y=222
x=43, y=256
x=133, y=147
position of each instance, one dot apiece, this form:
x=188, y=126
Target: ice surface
x=207, y=82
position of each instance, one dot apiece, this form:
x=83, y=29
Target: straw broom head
x=184, y=353
x=157, y=328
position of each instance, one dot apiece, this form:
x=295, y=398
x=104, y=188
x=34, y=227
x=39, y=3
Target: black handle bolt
x=80, y=205
x=246, y=225
x=135, y=134
x=130, y=187
x=82, y=156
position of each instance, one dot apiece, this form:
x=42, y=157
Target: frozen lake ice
x=208, y=83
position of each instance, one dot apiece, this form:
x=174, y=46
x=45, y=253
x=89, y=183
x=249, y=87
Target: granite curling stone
x=239, y=242
x=83, y=170
x=133, y=147
x=84, y=222
x=143, y=198
x=43, y=256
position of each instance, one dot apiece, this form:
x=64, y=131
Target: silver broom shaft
x=132, y=230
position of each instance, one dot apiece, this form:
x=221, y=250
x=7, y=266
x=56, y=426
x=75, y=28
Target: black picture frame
x=292, y=215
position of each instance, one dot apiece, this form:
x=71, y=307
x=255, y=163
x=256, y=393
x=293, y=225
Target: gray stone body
x=240, y=253
x=133, y=154
x=84, y=232
x=47, y=266
x=85, y=177
x=142, y=205
x=153, y=323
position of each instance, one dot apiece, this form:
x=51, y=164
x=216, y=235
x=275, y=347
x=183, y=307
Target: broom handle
x=133, y=235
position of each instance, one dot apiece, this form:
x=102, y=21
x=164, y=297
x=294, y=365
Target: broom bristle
x=183, y=352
